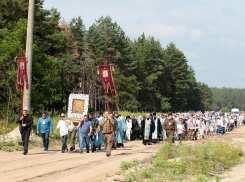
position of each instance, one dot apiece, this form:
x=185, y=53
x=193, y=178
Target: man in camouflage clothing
x=107, y=132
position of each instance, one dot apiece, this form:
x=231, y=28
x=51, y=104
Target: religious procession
x=112, y=131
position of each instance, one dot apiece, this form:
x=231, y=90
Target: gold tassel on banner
x=98, y=71
x=113, y=69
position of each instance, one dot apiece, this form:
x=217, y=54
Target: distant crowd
x=111, y=130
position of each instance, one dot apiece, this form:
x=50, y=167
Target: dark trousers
x=134, y=136
x=181, y=136
x=25, y=134
x=64, y=139
x=45, y=137
x=93, y=147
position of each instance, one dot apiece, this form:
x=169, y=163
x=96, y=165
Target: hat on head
x=170, y=114
x=154, y=114
x=26, y=109
x=127, y=117
x=101, y=113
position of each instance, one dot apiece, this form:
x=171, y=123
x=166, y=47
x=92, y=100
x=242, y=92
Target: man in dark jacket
x=25, y=122
x=135, y=128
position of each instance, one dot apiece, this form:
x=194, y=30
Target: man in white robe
x=129, y=125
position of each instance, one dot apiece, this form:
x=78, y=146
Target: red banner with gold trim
x=22, y=73
x=106, y=77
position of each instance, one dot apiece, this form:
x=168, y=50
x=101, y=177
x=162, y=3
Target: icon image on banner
x=105, y=74
x=22, y=66
x=78, y=106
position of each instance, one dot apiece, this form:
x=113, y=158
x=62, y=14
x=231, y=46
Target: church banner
x=22, y=74
x=106, y=77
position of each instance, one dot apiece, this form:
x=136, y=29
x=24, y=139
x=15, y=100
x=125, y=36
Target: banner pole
x=22, y=103
x=21, y=93
x=108, y=113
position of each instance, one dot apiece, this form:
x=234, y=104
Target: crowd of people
x=112, y=130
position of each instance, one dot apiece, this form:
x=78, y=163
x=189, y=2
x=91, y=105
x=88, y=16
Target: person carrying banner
x=107, y=129
x=25, y=122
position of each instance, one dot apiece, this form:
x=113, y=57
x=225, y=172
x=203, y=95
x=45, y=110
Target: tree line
x=147, y=76
x=228, y=98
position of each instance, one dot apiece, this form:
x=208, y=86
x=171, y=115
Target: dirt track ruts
x=53, y=165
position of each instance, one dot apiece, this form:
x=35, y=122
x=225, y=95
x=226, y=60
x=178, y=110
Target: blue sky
x=210, y=33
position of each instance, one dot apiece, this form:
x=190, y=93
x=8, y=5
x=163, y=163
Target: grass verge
x=202, y=162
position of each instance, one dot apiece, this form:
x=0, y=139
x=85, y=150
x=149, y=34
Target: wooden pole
x=22, y=103
x=108, y=109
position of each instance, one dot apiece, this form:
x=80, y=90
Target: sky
x=210, y=33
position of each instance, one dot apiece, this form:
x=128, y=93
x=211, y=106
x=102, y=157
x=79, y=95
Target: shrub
x=7, y=149
x=125, y=165
x=131, y=176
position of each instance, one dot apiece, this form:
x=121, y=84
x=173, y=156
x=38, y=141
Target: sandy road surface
x=53, y=165
x=72, y=166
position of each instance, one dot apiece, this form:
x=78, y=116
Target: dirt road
x=72, y=166
x=53, y=165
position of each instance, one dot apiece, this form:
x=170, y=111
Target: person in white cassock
x=129, y=130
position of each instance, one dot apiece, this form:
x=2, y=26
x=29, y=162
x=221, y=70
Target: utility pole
x=29, y=51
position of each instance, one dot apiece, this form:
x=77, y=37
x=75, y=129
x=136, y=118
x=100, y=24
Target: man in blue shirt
x=84, y=131
x=46, y=126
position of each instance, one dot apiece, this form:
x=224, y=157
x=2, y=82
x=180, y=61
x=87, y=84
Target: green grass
x=202, y=162
x=17, y=145
x=6, y=129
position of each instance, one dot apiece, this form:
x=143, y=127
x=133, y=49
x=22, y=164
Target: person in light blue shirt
x=46, y=126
